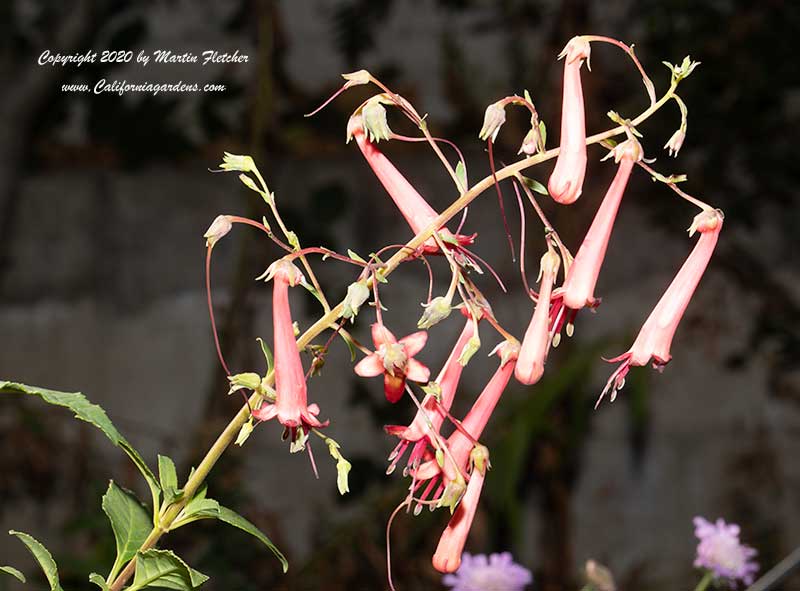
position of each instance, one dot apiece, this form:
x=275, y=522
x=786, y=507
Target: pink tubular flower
x=447, y=557
x=566, y=182
x=431, y=414
x=535, y=344
x=417, y=212
x=655, y=337
x=460, y=445
x=291, y=401
x=395, y=360
x=578, y=289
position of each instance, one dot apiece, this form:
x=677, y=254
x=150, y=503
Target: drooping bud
x=532, y=142
x=493, y=120
x=358, y=78
x=217, y=230
x=373, y=115
x=438, y=309
x=357, y=294
x=673, y=146
x=242, y=163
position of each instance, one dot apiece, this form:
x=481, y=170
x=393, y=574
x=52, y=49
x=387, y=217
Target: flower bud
x=530, y=144
x=357, y=294
x=480, y=458
x=249, y=381
x=373, y=116
x=493, y=120
x=217, y=230
x=242, y=163
x=599, y=577
x=435, y=312
x=673, y=146
x=357, y=78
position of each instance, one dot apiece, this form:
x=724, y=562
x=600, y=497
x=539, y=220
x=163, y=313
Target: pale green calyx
x=393, y=356
x=472, y=346
x=248, y=381
x=682, y=71
x=242, y=163
x=373, y=118
x=435, y=312
x=357, y=294
x=452, y=494
x=479, y=456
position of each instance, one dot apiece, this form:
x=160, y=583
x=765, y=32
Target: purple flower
x=721, y=552
x=497, y=572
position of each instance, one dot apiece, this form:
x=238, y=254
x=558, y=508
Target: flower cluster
x=448, y=467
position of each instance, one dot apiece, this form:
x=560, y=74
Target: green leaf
x=98, y=580
x=461, y=175
x=232, y=518
x=10, y=570
x=267, y=354
x=294, y=242
x=534, y=185
x=353, y=255
x=43, y=557
x=93, y=414
x=129, y=520
x=168, y=478
x=543, y=133
x=164, y=570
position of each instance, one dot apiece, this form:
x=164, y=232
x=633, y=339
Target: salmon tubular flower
x=566, y=182
x=395, y=360
x=416, y=211
x=455, y=460
x=423, y=430
x=655, y=337
x=578, y=290
x=536, y=343
x=447, y=557
x=291, y=396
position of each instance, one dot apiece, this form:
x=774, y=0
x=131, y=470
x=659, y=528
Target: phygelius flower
x=432, y=412
x=578, y=289
x=395, y=360
x=417, y=212
x=497, y=572
x=447, y=557
x=455, y=461
x=291, y=396
x=721, y=552
x=655, y=337
x=536, y=343
x=566, y=181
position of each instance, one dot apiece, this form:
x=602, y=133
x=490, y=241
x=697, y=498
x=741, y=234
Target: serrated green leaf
x=267, y=354
x=232, y=518
x=461, y=175
x=164, y=570
x=10, y=570
x=42, y=556
x=129, y=520
x=93, y=414
x=98, y=580
x=534, y=185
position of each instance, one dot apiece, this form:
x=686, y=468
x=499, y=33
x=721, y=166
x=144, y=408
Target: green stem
x=230, y=432
x=705, y=581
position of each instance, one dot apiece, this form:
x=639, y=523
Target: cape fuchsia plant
x=443, y=471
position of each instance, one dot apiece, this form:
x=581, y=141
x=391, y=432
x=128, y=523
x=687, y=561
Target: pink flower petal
x=370, y=366
x=382, y=335
x=415, y=342
x=417, y=372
